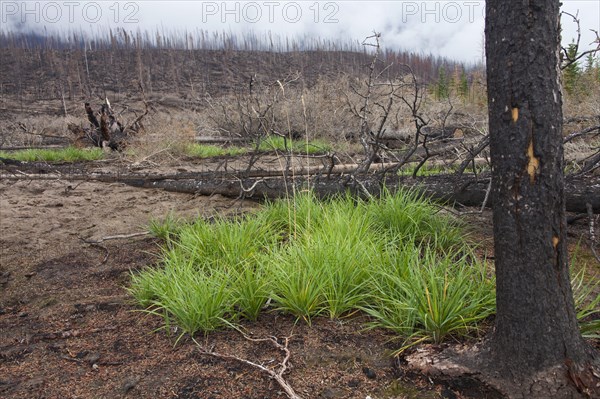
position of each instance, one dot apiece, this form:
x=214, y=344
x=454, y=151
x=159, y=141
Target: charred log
x=464, y=190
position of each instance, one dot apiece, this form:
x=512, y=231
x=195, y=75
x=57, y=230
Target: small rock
x=30, y=275
x=129, y=384
x=354, y=383
x=92, y=358
x=23, y=314
x=331, y=393
x=369, y=373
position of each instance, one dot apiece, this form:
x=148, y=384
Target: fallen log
x=466, y=190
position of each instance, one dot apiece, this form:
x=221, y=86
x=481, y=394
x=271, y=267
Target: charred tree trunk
x=536, y=339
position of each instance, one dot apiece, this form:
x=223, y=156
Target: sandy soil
x=68, y=329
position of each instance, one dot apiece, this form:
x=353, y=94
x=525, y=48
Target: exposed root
x=275, y=373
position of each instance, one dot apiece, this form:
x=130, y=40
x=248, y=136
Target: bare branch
x=570, y=60
x=116, y=237
x=585, y=131
x=473, y=152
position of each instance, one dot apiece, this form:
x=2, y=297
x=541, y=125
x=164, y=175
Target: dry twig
x=116, y=237
x=591, y=218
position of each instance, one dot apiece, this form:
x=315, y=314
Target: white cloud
x=451, y=29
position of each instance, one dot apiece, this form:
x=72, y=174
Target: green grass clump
x=279, y=143
x=166, y=228
x=427, y=296
x=587, y=301
x=69, y=154
x=395, y=258
x=209, y=150
x=412, y=217
x=270, y=143
x=196, y=301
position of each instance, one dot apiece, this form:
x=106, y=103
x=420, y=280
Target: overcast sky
x=452, y=29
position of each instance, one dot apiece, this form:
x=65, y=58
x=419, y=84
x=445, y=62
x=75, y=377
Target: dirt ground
x=68, y=328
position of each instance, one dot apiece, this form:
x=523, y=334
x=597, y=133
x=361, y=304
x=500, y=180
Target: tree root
x=276, y=373
x=465, y=367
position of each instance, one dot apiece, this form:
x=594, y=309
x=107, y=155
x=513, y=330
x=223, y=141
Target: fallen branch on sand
x=116, y=237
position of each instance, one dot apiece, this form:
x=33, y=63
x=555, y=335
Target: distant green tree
x=572, y=72
x=589, y=63
x=463, y=85
x=443, y=84
x=592, y=68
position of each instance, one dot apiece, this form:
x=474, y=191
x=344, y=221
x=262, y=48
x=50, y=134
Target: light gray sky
x=452, y=29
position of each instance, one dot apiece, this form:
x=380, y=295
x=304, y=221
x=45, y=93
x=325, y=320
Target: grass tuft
x=208, y=150
x=386, y=257
x=69, y=154
x=429, y=296
x=283, y=144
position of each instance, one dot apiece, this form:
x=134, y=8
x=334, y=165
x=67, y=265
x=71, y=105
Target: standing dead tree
x=534, y=298
x=383, y=100
x=412, y=96
x=258, y=111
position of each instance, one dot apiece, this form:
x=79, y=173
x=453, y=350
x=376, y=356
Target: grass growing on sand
x=397, y=259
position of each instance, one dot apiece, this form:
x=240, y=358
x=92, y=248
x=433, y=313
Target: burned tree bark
x=466, y=190
x=91, y=116
x=536, y=341
x=108, y=131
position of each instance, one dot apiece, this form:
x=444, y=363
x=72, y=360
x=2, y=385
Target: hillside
x=46, y=68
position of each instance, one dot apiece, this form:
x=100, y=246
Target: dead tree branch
x=580, y=133
x=566, y=58
x=473, y=152
x=413, y=101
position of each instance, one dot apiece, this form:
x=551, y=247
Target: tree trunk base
x=472, y=371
